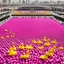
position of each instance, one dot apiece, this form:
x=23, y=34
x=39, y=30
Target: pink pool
x=26, y=29
x=34, y=28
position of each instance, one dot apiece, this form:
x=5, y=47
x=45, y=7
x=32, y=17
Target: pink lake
x=34, y=27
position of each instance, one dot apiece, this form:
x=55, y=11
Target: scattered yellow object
x=48, y=41
x=47, y=44
x=2, y=37
x=13, y=47
x=21, y=47
x=39, y=42
x=40, y=47
x=12, y=52
x=60, y=48
x=27, y=52
x=6, y=30
x=49, y=54
x=44, y=57
x=52, y=49
x=29, y=47
x=54, y=42
x=25, y=56
x=44, y=39
x=7, y=36
x=34, y=41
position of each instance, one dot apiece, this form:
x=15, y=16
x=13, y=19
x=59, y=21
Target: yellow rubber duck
x=28, y=52
x=60, y=48
x=53, y=49
x=49, y=54
x=7, y=36
x=48, y=41
x=41, y=47
x=47, y=44
x=12, y=53
x=44, y=39
x=39, y=42
x=13, y=46
x=5, y=30
x=22, y=47
x=54, y=42
x=2, y=37
x=44, y=57
x=25, y=56
x=34, y=41
x=29, y=47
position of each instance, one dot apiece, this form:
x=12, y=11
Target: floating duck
x=2, y=37
x=34, y=41
x=54, y=42
x=41, y=47
x=29, y=47
x=5, y=30
x=12, y=53
x=47, y=44
x=25, y=56
x=44, y=57
x=39, y=42
x=53, y=49
x=27, y=52
x=49, y=54
x=44, y=39
x=60, y=48
x=48, y=41
x=21, y=47
x=13, y=47
x=7, y=36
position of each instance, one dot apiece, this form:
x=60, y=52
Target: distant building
x=4, y=1
x=27, y=1
x=58, y=2
x=45, y=2
x=23, y=1
x=19, y=1
x=62, y=2
x=9, y=1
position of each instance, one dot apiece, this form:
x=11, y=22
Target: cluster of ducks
x=12, y=34
x=47, y=42
x=12, y=51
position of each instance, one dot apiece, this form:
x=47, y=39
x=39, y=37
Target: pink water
x=34, y=27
